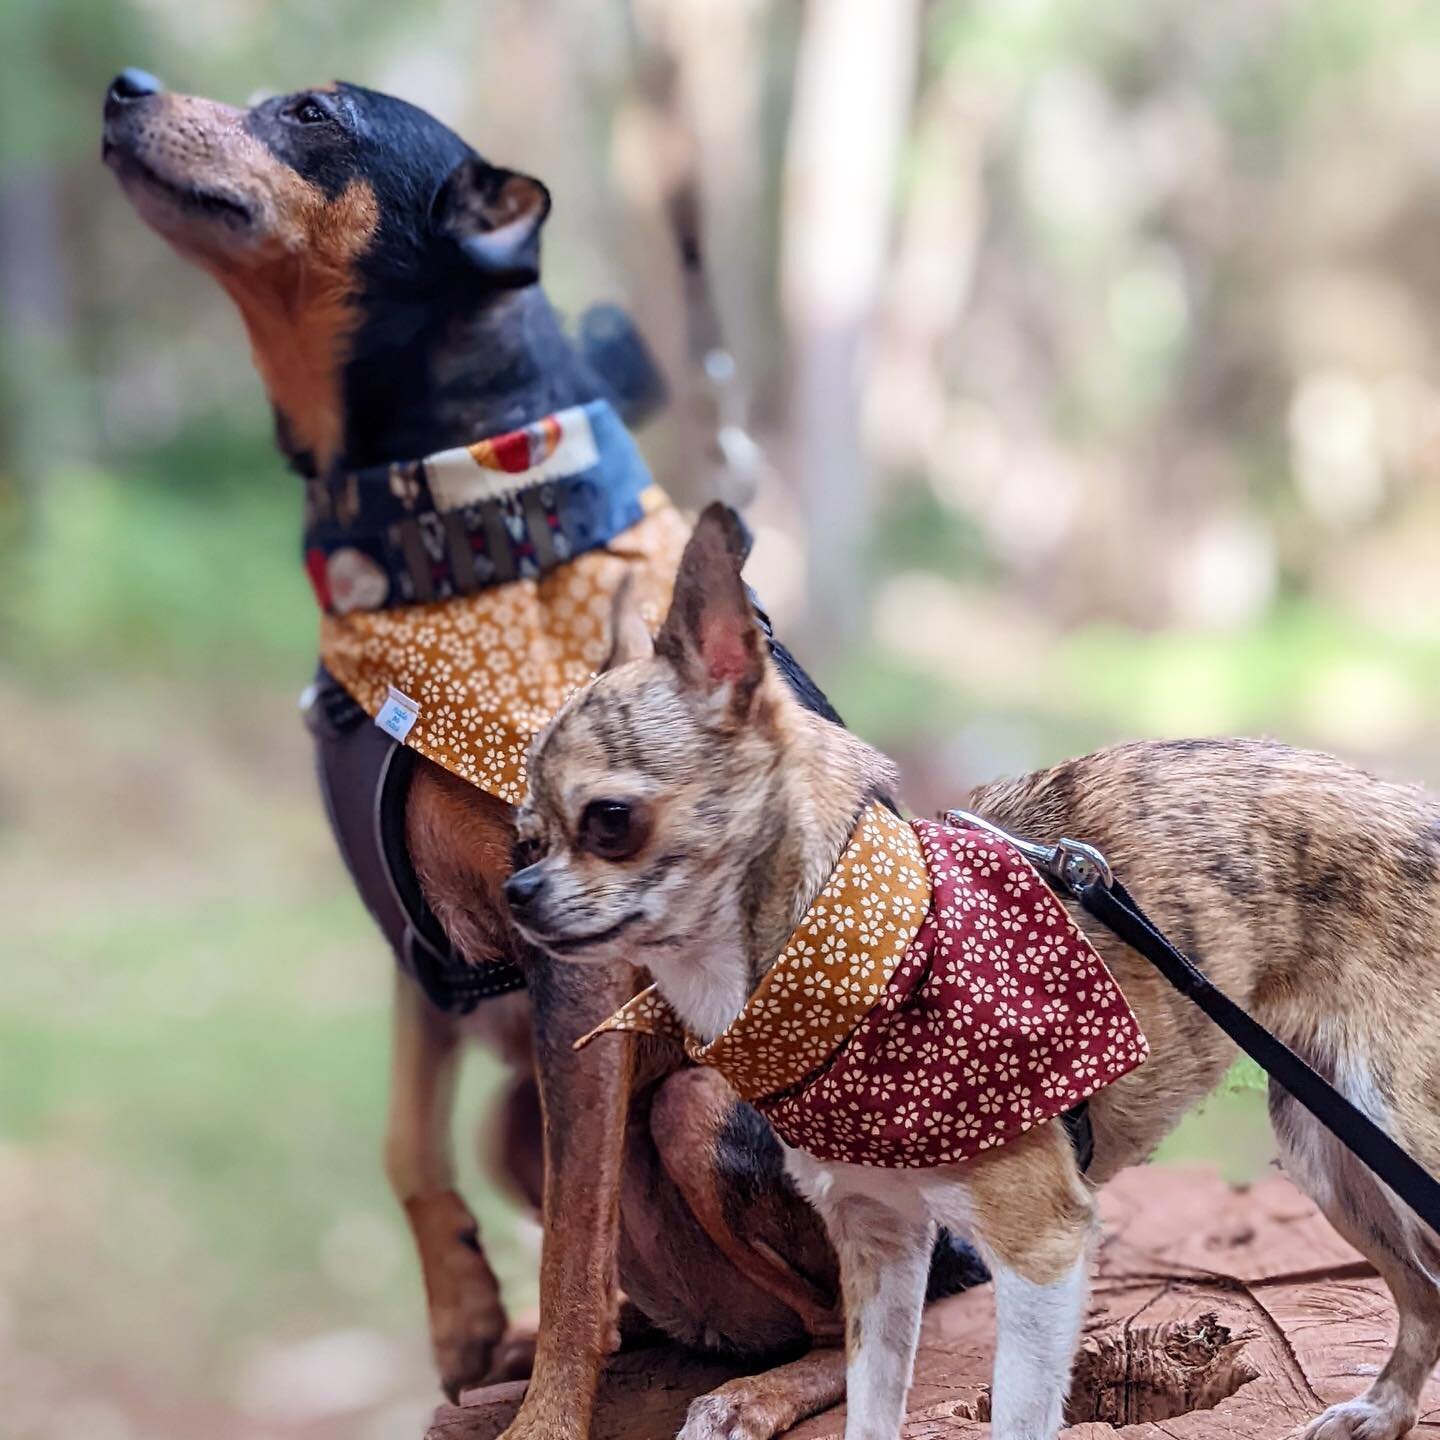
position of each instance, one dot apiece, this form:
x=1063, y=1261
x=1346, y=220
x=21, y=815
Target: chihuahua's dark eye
x=608, y=829
x=309, y=112
x=525, y=853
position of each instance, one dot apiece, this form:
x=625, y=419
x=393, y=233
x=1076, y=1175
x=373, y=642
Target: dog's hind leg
x=717, y=1158
x=1376, y=1223
x=462, y=1294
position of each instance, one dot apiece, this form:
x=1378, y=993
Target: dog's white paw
x=1371, y=1417
x=725, y=1417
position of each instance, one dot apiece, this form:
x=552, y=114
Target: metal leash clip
x=1076, y=866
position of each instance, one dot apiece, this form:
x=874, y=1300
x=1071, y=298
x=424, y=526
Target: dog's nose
x=523, y=886
x=131, y=85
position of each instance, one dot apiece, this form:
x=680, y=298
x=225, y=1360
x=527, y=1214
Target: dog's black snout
x=523, y=886
x=130, y=85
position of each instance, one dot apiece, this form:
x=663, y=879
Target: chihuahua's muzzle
x=529, y=895
x=567, y=930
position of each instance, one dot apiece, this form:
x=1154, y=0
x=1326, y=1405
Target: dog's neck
x=827, y=777
x=418, y=383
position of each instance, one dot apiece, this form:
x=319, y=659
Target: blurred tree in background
x=1089, y=351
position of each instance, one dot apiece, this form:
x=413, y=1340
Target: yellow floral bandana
x=833, y=971
x=487, y=670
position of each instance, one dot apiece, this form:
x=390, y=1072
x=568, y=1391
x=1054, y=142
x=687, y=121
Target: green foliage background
x=192, y=1004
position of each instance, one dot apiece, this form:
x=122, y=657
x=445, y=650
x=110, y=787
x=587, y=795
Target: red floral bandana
x=999, y=1015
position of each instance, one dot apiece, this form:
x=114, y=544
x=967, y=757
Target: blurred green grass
x=194, y=1026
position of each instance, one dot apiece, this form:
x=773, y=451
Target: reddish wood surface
x=1244, y=1302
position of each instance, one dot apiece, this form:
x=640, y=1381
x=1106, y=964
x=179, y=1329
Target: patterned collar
x=832, y=971
x=509, y=507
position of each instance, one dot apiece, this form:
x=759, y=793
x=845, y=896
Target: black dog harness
x=364, y=777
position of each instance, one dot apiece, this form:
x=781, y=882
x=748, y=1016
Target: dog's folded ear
x=710, y=635
x=494, y=216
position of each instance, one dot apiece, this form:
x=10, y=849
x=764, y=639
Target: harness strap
x=364, y=780
x=1083, y=872
x=1082, y=1135
x=450, y=981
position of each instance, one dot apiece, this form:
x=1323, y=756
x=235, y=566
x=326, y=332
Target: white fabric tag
x=398, y=714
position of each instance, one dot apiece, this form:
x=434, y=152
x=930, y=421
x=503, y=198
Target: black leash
x=1082, y=871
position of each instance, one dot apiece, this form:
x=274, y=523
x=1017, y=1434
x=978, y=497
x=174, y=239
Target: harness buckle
x=1073, y=864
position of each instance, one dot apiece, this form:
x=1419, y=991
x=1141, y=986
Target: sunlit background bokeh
x=1089, y=351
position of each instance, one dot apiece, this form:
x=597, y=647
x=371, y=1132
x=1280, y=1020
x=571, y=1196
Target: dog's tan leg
x=1031, y=1215
x=757, y=1407
x=585, y=1097
x=1399, y=1246
x=463, y=1297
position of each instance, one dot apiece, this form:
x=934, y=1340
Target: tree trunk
x=853, y=90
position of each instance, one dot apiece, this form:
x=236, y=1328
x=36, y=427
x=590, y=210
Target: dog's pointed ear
x=494, y=216
x=711, y=635
x=629, y=634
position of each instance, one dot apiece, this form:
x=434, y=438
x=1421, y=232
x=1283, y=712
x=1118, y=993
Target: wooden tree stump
x=1216, y=1312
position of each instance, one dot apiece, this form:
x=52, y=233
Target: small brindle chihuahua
x=1307, y=890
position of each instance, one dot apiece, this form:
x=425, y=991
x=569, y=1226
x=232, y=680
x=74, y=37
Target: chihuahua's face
x=340, y=220
x=649, y=792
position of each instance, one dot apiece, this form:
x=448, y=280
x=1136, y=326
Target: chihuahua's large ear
x=494, y=216
x=711, y=635
x=629, y=634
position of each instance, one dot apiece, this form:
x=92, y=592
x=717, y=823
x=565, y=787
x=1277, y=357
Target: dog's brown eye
x=608, y=829
x=524, y=853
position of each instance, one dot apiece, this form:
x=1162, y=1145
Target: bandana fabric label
x=998, y=1015
x=397, y=716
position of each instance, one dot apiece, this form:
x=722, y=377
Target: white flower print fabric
x=489, y=669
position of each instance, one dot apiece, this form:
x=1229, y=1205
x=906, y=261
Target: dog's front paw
x=726, y=1416
x=467, y=1319
x=1372, y=1417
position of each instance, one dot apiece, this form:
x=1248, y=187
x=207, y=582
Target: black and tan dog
x=914, y=1052
x=386, y=276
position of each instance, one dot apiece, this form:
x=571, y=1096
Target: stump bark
x=1218, y=1313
